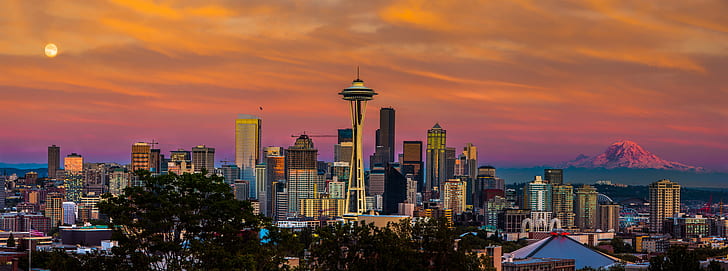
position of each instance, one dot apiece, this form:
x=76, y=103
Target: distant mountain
x=627, y=154
x=23, y=165
x=631, y=176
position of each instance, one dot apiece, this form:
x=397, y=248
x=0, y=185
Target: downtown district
x=428, y=179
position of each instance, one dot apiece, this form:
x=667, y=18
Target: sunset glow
x=528, y=82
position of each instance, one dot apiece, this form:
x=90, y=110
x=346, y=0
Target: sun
x=51, y=50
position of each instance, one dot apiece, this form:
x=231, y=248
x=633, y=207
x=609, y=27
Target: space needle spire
x=357, y=95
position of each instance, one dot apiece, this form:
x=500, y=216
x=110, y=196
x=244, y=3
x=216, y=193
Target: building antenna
x=357, y=72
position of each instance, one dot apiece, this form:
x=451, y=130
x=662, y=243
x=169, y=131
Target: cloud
x=494, y=71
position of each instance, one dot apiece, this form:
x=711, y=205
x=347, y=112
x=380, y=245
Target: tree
x=714, y=266
x=186, y=222
x=11, y=241
x=676, y=258
x=426, y=244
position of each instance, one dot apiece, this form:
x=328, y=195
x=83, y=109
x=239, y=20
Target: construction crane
x=152, y=143
x=304, y=133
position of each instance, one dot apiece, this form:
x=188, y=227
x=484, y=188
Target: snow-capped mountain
x=627, y=154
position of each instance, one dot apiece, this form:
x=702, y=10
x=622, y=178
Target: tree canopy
x=193, y=222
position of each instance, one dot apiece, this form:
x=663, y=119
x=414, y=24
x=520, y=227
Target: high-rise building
x=302, y=179
x=342, y=152
x=384, y=152
x=203, y=158
x=664, y=203
x=337, y=190
x=586, y=207
x=262, y=187
x=537, y=196
x=73, y=164
x=87, y=209
x=486, y=171
x=275, y=173
x=412, y=162
x=119, y=178
x=608, y=217
x=435, y=165
x=553, y=176
x=69, y=212
x=74, y=187
x=54, y=208
x=247, y=145
x=241, y=190
x=326, y=207
x=280, y=201
x=395, y=188
x=563, y=204
x=345, y=135
x=376, y=180
x=54, y=161
x=180, y=162
x=230, y=173
x=357, y=95
x=156, y=158
x=275, y=160
x=493, y=207
x=453, y=195
x=140, y=156
x=470, y=152
x=450, y=157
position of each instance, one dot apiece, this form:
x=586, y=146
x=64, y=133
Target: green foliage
x=676, y=258
x=620, y=246
x=426, y=244
x=60, y=260
x=714, y=266
x=11, y=241
x=193, y=222
x=478, y=240
x=186, y=222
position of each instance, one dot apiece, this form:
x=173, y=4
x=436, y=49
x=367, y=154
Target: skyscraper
x=262, y=187
x=140, y=156
x=386, y=132
x=471, y=158
x=73, y=164
x=537, y=196
x=609, y=217
x=412, y=162
x=203, y=157
x=156, y=158
x=342, y=150
x=275, y=170
x=450, y=158
x=376, y=180
x=54, y=161
x=247, y=145
x=54, y=208
x=586, y=207
x=563, y=204
x=453, y=195
x=435, y=165
x=301, y=173
x=357, y=95
x=230, y=173
x=553, y=176
x=395, y=189
x=664, y=203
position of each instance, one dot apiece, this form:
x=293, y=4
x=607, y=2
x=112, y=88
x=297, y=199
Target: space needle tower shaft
x=357, y=95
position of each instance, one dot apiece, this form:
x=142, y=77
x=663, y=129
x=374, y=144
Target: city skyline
x=527, y=87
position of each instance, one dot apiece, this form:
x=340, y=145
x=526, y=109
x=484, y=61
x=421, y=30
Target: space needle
x=357, y=95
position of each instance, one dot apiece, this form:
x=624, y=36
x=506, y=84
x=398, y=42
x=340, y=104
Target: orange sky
x=529, y=82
